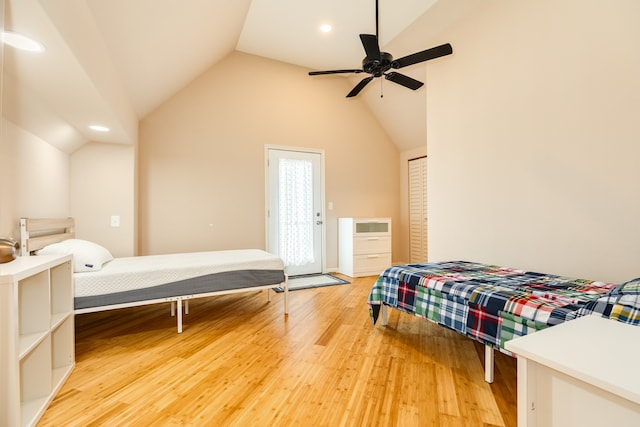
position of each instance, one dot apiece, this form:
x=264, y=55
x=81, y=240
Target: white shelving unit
x=37, y=352
x=364, y=246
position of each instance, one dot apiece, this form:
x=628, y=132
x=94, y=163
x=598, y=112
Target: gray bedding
x=217, y=282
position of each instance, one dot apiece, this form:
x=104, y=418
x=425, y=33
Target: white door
x=295, y=216
x=418, y=209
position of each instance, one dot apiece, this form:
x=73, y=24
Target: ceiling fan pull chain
x=381, y=91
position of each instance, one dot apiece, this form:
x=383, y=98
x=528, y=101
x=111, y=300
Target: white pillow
x=87, y=256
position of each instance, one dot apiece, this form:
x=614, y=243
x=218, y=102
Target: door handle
x=318, y=222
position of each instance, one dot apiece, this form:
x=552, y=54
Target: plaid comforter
x=494, y=304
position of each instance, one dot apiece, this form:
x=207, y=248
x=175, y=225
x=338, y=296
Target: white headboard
x=36, y=233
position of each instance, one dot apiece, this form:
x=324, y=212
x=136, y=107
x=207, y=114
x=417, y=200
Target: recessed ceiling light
x=99, y=128
x=22, y=42
x=325, y=28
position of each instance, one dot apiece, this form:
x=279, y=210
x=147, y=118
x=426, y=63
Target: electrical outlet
x=115, y=220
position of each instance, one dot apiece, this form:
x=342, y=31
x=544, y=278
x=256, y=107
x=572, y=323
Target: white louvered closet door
x=418, y=209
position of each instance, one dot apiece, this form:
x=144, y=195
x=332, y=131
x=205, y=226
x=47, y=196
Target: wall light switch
x=330, y=206
x=115, y=220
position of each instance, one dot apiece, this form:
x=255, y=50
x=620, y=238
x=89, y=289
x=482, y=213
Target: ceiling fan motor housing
x=377, y=67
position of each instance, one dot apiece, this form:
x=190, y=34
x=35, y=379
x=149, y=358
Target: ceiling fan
x=378, y=64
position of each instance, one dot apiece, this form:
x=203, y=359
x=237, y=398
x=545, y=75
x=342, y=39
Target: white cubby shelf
x=37, y=335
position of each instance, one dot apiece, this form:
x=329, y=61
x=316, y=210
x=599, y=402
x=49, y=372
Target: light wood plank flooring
x=240, y=362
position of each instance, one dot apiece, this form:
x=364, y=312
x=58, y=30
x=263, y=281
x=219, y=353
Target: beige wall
x=533, y=138
x=201, y=156
x=34, y=179
x=102, y=185
x=38, y=180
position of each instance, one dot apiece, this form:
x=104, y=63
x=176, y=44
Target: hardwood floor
x=240, y=362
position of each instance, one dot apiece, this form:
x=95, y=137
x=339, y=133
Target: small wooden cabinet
x=37, y=348
x=364, y=246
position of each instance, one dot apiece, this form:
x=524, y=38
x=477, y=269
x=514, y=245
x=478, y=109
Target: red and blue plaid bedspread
x=494, y=304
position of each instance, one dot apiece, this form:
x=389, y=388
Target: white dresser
x=37, y=348
x=364, y=246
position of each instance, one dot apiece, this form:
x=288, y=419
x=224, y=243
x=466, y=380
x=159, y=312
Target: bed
x=102, y=282
x=493, y=304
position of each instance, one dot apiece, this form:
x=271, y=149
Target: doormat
x=308, y=281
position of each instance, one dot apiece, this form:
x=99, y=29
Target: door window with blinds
x=418, y=209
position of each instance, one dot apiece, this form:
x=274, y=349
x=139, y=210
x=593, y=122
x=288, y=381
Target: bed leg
x=179, y=303
x=384, y=315
x=269, y=295
x=488, y=363
x=173, y=308
x=186, y=306
x=286, y=296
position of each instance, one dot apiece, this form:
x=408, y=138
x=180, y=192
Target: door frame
x=323, y=231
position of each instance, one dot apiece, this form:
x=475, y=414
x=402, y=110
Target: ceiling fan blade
x=403, y=80
x=425, y=55
x=318, y=73
x=370, y=44
x=356, y=90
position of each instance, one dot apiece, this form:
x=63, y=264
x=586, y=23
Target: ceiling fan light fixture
x=326, y=28
x=22, y=42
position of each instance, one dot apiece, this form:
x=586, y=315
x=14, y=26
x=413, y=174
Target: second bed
x=103, y=283
x=493, y=304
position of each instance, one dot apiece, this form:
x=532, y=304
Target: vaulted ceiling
x=112, y=62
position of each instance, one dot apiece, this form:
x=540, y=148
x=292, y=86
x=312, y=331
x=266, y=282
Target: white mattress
x=129, y=273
